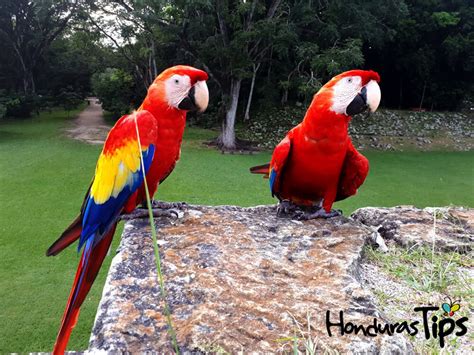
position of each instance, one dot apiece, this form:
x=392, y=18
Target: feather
x=118, y=176
x=261, y=169
x=91, y=261
x=69, y=236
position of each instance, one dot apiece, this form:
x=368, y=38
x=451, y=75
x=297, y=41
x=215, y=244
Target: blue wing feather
x=273, y=175
x=98, y=218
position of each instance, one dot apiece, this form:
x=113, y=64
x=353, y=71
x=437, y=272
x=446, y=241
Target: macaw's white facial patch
x=177, y=88
x=344, y=92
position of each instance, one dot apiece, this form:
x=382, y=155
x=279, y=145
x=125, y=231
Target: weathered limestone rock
x=239, y=279
x=434, y=278
x=445, y=228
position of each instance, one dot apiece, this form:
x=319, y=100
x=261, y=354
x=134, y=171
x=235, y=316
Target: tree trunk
x=423, y=95
x=29, y=86
x=252, y=85
x=228, y=128
x=284, y=97
x=400, y=96
x=155, y=70
x=27, y=75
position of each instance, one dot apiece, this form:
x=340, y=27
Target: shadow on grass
x=6, y=136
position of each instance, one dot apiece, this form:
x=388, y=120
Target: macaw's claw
x=286, y=209
x=168, y=205
x=320, y=213
x=157, y=212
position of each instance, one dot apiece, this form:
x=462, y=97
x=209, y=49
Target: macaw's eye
x=176, y=81
x=349, y=80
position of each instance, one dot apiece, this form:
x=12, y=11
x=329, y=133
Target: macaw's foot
x=168, y=205
x=157, y=212
x=286, y=209
x=320, y=213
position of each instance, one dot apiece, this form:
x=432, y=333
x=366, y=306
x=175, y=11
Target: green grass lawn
x=44, y=176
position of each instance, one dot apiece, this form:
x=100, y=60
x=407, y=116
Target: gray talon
x=168, y=205
x=171, y=212
x=321, y=213
x=157, y=212
x=303, y=213
x=286, y=208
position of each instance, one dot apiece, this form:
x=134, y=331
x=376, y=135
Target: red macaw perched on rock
x=118, y=186
x=316, y=163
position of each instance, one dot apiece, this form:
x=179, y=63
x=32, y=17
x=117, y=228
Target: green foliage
x=14, y=105
x=444, y=19
x=17, y=105
x=335, y=60
x=70, y=62
x=422, y=49
x=27, y=29
x=3, y=110
x=430, y=60
x=114, y=88
x=69, y=99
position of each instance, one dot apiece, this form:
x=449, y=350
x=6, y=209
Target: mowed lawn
x=43, y=177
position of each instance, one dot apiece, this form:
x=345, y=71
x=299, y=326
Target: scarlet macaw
x=117, y=187
x=316, y=163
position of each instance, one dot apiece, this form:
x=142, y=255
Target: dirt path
x=89, y=126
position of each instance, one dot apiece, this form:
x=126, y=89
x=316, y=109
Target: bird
x=316, y=163
x=153, y=133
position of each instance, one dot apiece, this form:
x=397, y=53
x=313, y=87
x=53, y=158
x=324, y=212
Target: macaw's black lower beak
x=188, y=103
x=359, y=104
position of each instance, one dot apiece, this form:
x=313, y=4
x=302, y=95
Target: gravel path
x=89, y=126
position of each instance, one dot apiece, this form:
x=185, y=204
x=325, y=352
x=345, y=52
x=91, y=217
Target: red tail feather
x=261, y=169
x=86, y=273
x=69, y=236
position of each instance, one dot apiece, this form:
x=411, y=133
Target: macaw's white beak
x=373, y=95
x=201, y=95
x=368, y=98
x=197, y=98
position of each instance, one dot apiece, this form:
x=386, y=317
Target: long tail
x=69, y=236
x=261, y=169
x=91, y=261
x=72, y=233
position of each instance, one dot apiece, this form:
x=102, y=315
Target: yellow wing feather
x=115, y=171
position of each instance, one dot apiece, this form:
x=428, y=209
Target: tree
x=429, y=62
x=131, y=26
x=70, y=62
x=69, y=99
x=257, y=52
x=230, y=39
x=114, y=88
x=29, y=27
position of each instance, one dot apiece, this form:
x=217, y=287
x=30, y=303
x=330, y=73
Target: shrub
x=114, y=88
x=268, y=127
x=15, y=105
x=3, y=110
x=69, y=99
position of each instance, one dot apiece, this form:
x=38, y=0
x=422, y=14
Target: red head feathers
x=194, y=74
x=366, y=76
